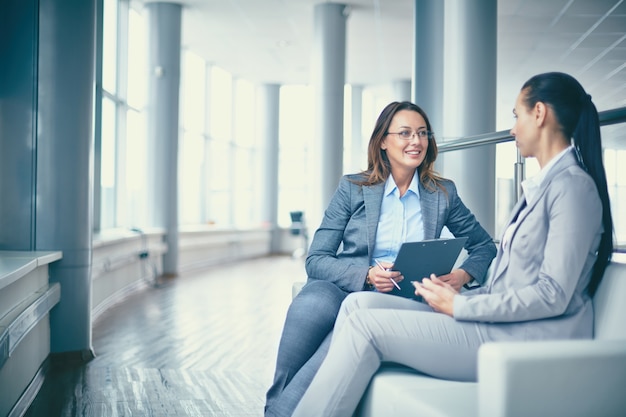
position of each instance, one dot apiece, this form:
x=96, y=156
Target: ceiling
x=270, y=41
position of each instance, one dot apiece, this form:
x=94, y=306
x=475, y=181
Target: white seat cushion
x=400, y=391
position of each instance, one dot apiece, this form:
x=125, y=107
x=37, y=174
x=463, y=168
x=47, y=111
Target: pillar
x=428, y=60
x=471, y=46
x=328, y=79
x=358, y=157
x=164, y=37
x=64, y=166
x=268, y=104
x=401, y=90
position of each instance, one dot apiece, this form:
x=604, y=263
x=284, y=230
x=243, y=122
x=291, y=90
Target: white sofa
x=557, y=378
x=553, y=378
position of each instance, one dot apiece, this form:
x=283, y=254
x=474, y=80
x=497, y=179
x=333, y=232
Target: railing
x=607, y=117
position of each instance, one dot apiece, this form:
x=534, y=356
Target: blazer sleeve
x=343, y=225
x=550, y=261
x=480, y=247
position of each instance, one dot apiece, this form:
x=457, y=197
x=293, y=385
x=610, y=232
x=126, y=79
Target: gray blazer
x=537, y=288
x=342, y=247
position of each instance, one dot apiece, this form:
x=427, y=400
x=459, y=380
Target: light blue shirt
x=400, y=220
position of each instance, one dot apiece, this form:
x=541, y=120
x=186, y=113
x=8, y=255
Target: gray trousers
x=372, y=328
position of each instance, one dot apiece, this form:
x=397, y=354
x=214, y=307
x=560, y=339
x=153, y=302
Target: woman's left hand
x=456, y=278
x=438, y=294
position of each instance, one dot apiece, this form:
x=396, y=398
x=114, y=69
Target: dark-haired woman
x=550, y=261
x=398, y=198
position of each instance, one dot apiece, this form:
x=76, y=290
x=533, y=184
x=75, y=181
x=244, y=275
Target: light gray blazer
x=342, y=246
x=537, y=286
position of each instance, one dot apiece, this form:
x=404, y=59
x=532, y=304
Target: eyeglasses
x=409, y=134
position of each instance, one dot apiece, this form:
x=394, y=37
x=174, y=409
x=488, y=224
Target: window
x=221, y=99
x=191, y=180
x=123, y=142
x=108, y=163
x=247, y=162
x=192, y=184
x=296, y=130
x=137, y=59
x=109, y=46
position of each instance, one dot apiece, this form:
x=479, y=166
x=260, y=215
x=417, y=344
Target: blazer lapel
x=372, y=198
x=501, y=261
x=429, y=204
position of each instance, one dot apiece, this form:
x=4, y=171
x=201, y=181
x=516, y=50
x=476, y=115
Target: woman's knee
x=322, y=293
x=321, y=298
x=353, y=302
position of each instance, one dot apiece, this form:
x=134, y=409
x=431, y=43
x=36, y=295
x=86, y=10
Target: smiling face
x=406, y=155
x=525, y=128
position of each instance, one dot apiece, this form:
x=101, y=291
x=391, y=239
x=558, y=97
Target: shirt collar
x=391, y=187
x=532, y=184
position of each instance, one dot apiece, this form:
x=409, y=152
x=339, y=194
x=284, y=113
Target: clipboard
x=417, y=260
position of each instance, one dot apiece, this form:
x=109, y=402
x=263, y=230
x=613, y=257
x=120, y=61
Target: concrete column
x=471, y=69
x=268, y=104
x=328, y=79
x=358, y=158
x=402, y=90
x=64, y=189
x=164, y=36
x=428, y=60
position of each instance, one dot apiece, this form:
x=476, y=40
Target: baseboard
x=70, y=359
x=116, y=298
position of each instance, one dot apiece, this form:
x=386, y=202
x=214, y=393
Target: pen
x=385, y=269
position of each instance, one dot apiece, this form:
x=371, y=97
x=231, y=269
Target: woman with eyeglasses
x=399, y=198
x=550, y=261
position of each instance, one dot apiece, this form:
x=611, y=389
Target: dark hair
x=578, y=120
x=378, y=165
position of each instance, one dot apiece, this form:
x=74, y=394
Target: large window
x=192, y=184
x=108, y=117
x=219, y=159
x=296, y=130
x=247, y=161
x=109, y=46
x=123, y=144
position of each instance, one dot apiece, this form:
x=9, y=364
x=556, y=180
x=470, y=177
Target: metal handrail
x=607, y=117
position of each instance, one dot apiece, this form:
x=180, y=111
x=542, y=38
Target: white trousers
x=372, y=328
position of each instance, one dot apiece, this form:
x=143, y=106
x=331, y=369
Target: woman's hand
x=457, y=278
x=381, y=277
x=438, y=294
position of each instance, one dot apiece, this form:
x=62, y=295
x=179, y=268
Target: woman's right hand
x=381, y=278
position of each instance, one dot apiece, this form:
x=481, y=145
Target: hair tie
x=589, y=97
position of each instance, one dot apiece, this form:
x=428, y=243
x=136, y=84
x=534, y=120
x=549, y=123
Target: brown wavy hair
x=378, y=165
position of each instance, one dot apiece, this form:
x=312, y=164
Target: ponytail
x=587, y=141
